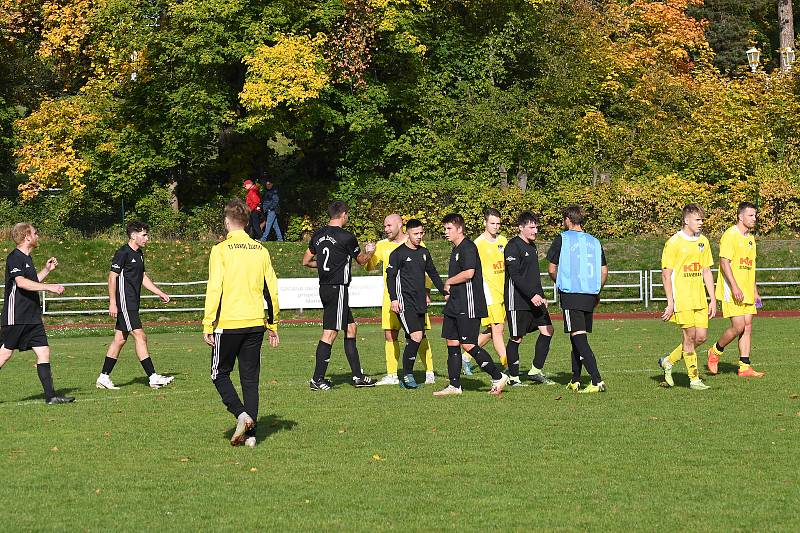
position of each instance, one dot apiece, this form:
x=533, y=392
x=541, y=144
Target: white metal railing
x=654, y=284
x=46, y=297
x=625, y=285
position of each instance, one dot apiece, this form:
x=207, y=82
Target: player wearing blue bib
x=578, y=266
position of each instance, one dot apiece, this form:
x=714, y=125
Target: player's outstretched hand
x=164, y=297
x=51, y=264
x=55, y=288
x=209, y=338
x=369, y=247
x=668, y=312
x=274, y=338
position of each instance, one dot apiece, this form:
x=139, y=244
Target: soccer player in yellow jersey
x=240, y=280
x=490, y=250
x=686, y=270
x=393, y=228
x=736, y=288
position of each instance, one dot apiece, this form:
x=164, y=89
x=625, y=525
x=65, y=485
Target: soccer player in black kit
x=22, y=327
x=526, y=306
x=125, y=282
x=331, y=251
x=466, y=305
x=405, y=281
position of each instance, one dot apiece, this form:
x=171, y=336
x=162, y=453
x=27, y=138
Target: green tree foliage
x=370, y=100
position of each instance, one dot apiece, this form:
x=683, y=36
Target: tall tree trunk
x=786, y=25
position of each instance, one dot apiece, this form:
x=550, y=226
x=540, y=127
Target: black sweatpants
x=246, y=347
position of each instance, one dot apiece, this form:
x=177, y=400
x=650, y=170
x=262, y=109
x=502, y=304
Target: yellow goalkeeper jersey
x=740, y=250
x=493, y=265
x=240, y=278
x=687, y=257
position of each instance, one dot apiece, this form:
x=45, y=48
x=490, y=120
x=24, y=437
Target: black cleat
x=55, y=400
x=322, y=384
x=363, y=381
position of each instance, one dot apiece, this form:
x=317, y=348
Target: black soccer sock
x=512, y=357
x=454, y=365
x=46, y=377
x=410, y=356
x=581, y=343
x=541, y=350
x=745, y=360
x=576, y=361
x=147, y=364
x=719, y=349
x=351, y=352
x=108, y=365
x=323, y=356
x=484, y=361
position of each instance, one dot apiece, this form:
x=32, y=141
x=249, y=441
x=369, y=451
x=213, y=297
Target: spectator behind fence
x=270, y=208
x=253, y=201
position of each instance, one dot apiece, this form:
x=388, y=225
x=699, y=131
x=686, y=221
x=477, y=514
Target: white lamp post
x=753, y=57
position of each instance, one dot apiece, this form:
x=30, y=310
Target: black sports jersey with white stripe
x=20, y=306
x=523, y=277
x=405, y=277
x=129, y=264
x=335, y=249
x=466, y=299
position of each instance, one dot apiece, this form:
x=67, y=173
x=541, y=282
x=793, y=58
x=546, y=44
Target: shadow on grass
x=727, y=368
x=267, y=426
x=271, y=424
x=59, y=392
x=561, y=378
x=680, y=379
x=143, y=380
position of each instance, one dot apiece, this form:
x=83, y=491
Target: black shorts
x=23, y=337
x=128, y=320
x=520, y=323
x=336, y=313
x=577, y=320
x=411, y=321
x=462, y=329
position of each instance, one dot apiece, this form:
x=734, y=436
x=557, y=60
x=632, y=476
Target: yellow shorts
x=497, y=315
x=389, y=320
x=691, y=318
x=730, y=309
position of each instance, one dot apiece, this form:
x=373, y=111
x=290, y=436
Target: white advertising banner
x=303, y=293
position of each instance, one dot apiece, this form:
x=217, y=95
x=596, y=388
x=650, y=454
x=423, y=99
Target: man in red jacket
x=253, y=201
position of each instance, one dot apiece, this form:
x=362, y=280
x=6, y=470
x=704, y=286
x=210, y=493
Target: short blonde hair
x=20, y=231
x=236, y=211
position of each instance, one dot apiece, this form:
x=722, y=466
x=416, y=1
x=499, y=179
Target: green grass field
x=639, y=457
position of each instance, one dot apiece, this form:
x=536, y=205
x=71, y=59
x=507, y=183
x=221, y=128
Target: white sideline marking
x=103, y=398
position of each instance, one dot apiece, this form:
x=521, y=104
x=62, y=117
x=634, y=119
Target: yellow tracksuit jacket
x=240, y=278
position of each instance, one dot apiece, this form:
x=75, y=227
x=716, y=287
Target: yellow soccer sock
x=391, y=350
x=717, y=351
x=691, y=365
x=425, y=348
x=675, y=355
